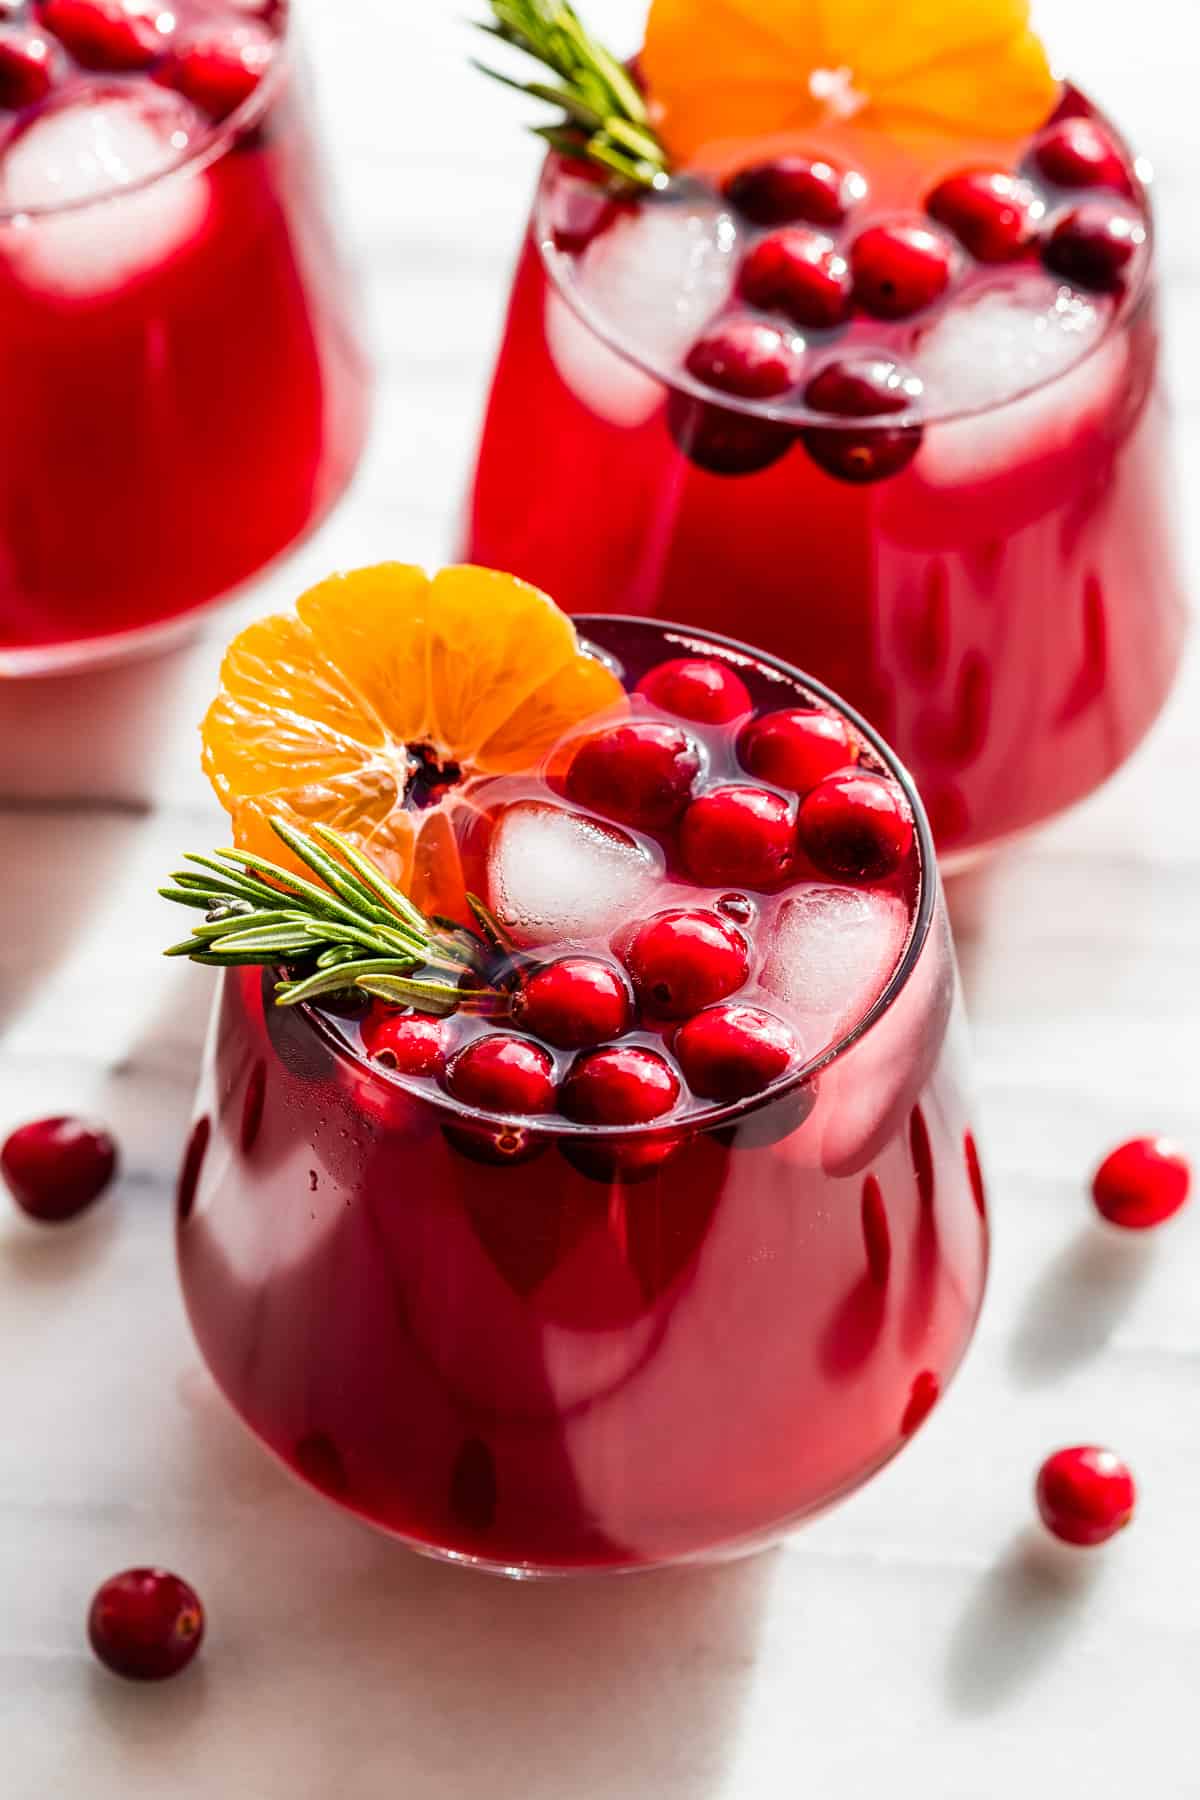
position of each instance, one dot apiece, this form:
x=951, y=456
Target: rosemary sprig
x=355, y=928
x=606, y=118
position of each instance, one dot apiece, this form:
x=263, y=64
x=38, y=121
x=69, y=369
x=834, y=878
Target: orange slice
x=323, y=714
x=720, y=71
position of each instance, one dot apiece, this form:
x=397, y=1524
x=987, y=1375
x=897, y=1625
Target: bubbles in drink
x=556, y=876
x=832, y=951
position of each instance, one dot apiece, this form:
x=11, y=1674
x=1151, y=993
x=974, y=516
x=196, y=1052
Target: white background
x=921, y=1640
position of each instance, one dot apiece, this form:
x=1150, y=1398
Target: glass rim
x=197, y=156
x=557, y=265
x=713, y=1116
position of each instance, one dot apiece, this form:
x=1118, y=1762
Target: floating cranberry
x=797, y=748
x=993, y=215
x=1078, y=153
x=863, y=387
x=1085, y=1495
x=409, y=1043
x=624, y=1160
x=800, y=273
x=793, y=188
x=857, y=826
x=899, y=269
x=1141, y=1184
x=1093, y=246
x=26, y=68
x=697, y=688
x=724, y=442
x=502, y=1074
x=737, y=837
x=685, y=959
x=730, y=1052
x=56, y=1167
x=218, y=70
x=146, y=1624
x=106, y=34
x=573, y=1003
x=621, y=1085
x=641, y=772
x=746, y=357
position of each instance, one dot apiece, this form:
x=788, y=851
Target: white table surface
x=922, y=1639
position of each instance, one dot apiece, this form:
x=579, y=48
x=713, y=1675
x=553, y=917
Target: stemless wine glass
x=972, y=539
x=184, y=391
x=539, y=1346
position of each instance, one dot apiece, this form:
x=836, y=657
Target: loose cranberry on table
x=738, y=836
x=1141, y=1184
x=26, y=67
x=747, y=358
x=573, y=1003
x=857, y=826
x=1079, y=153
x=995, y=216
x=502, y=1074
x=697, y=688
x=219, y=69
x=1094, y=245
x=56, y=1167
x=729, y=1052
x=797, y=748
x=793, y=189
x=113, y=35
x=685, y=959
x=641, y=772
x=1085, y=1495
x=800, y=273
x=899, y=269
x=409, y=1043
x=863, y=386
x=146, y=1624
x=621, y=1085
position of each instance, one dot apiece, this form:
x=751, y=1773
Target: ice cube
x=105, y=148
x=650, y=283
x=831, y=952
x=1023, y=357
x=556, y=876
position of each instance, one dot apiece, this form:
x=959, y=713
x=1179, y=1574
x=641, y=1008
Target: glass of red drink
x=184, y=391
x=680, y=1244
x=900, y=419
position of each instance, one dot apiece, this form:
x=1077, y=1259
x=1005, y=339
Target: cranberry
x=502, y=1074
x=106, y=34
x=792, y=188
x=697, y=687
x=730, y=1052
x=797, y=748
x=410, y=1043
x=745, y=357
x=898, y=269
x=218, y=70
x=994, y=216
x=800, y=273
x=1078, y=153
x=1085, y=1495
x=1142, y=1183
x=574, y=1003
x=1093, y=246
x=145, y=1624
x=56, y=1167
x=625, y=1160
x=862, y=387
x=737, y=837
x=26, y=68
x=724, y=442
x=857, y=826
x=641, y=772
x=621, y=1085
x=683, y=960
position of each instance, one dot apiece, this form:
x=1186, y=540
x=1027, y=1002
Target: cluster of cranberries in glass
x=830, y=296
x=650, y=1003
x=212, y=52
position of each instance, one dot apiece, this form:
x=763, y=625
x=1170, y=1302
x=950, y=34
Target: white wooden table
x=921, y=1640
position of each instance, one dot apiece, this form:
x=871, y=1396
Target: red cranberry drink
x=183, y=396
x=891, y=409
x=669, y=1230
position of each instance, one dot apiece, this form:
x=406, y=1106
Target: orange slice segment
x=321, y=713
x=725, y=70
